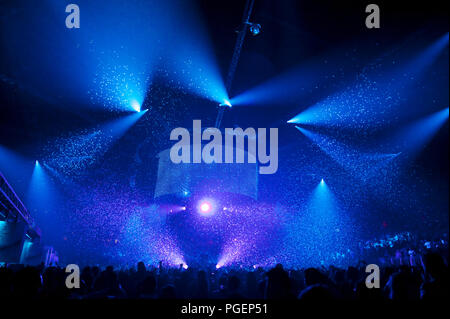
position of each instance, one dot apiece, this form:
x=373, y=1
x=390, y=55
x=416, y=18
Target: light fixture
x=255, y=29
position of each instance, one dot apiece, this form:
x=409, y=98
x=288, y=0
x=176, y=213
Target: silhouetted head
x=400, y=285
x=339, y=277
x=141, y=267
x=233, y=283
x=434, y=265
x=148, y=285
x=364, y=293
x=95, y=270
x=352, y=274
x=313, y=277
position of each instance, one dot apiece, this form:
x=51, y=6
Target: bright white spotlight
x=136, y=106
x=37, y=162
x=226, y=103
x=183, y=208
x=185, y=266
x=205, y=207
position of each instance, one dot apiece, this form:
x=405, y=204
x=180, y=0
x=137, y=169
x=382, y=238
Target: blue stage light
x=292, y=86
x=429, y=55
x=206, y=207
x=226, y=103
x=43, y=199
x=16, y=169
x=79, y=151
x=136, y=106
x=189, y=53
x=117, y=128
x=359, y=104
x=415, y=136
x=364, y=164
x=255, y=28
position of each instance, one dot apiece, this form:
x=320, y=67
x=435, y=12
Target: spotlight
x=226, y=103
x=322, y=181
x=185, y=266
x=218, y=266
x=183, y=208
x=136, y=106
x=255, y=29
x=37, y=162
x=205, y=207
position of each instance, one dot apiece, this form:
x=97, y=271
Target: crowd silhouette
x=426, y=280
